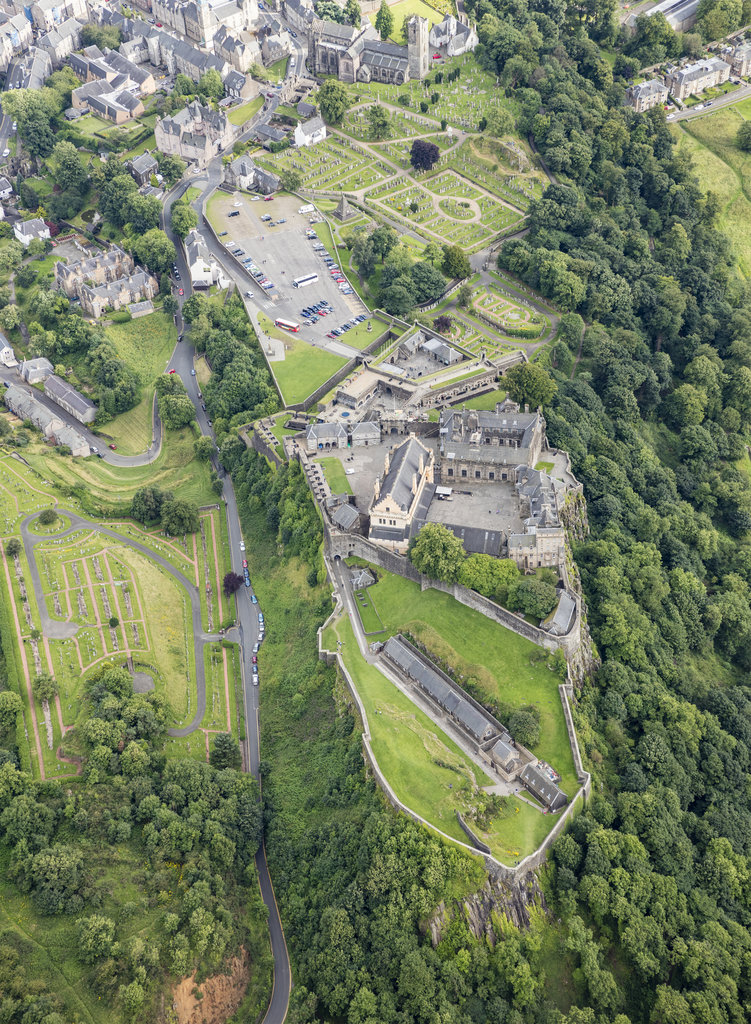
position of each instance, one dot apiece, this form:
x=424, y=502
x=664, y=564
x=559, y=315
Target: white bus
x=300, y=282
x=287, y=325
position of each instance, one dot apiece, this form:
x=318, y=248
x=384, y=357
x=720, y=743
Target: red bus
x=287, y=325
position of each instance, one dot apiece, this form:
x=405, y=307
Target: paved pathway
x=56, y=630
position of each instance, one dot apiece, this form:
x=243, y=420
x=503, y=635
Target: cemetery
x=96, y=599
x=335, y=164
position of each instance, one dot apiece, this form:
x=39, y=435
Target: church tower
x=417, y=47
x=204, y=22
x=250, y=12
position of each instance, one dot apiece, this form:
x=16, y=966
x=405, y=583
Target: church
x=360, y=55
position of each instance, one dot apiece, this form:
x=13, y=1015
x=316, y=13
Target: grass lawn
x=276, y=72
x=102, y=486
x=239, y=115
x=334, y=473
x=371, y=622
x=145, y=345
x=203, y=371
x=544, y=467
x=408, y=7
x=192, y=193
x=508, y=667
x=360, y=337
x=724, y=169
x=425, y=768
x=304, y=368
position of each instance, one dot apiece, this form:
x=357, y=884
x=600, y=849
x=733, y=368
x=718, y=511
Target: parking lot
x=280, y=249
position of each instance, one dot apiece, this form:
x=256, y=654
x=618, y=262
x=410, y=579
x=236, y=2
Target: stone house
x=398, y=493
x=69, y=399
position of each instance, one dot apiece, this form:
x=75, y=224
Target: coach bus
x=287, y=325
x=300, y=282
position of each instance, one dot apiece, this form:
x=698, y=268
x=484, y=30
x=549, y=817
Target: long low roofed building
x=69, y=399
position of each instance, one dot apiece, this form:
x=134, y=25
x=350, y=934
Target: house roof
x=5, y=185
x=345, y=516
x=315, y=124
x=503, y=752
x=144, y=163
x=368, y=428
x=60, y=391
x=326, y=431
x=542, y=786
x=33, y=228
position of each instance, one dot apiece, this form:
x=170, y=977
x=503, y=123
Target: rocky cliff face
x=512, y=900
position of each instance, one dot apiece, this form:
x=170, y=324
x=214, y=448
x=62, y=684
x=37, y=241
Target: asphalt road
x=247, y=622
x=722, y=101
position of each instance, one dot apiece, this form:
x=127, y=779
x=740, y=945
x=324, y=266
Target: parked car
x=242, y=545
x=113, y=447
x=254, y=599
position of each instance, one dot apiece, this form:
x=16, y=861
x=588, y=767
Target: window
x=478, y=474
x=491, y=475
x=451, y=472
x=464, y=472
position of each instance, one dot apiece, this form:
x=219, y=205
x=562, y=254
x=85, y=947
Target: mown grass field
x=425, y=768
x=333, y=470
x=103, y=486
x=403, y=9
x=504, y=664
x=145, y=345
x=304, y=367
x=239, y=115
x=724, y=169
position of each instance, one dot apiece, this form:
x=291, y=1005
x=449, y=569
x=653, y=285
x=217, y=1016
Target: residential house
x=7, y=355
x=49, y=14
x=180, y=57
x=399, y=492
x=69, y=399
x=6, y=189
x=241, y=87
x=196, y=134
x=28, y=407
x=204, y=270
x=266, y=134
x=60, y=42
x=117, y=100
x=299, y=14
x=35, y=67
x=741, y=60
x=274, y=46
x=239, y=49
x=244, y=174
x=310, y=133
x=646, y=95
x=142, y=168
x=695, y=78
x=453, y=36
x=26, y=230
x=35, y=371
x=200, y=20
x=16, y=37
x=108, y=280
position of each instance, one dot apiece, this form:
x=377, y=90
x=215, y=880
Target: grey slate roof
x=312, y=126
x=542, y=787
x=367, y=429
x=503, y=752
x=404, y=463
x=345, y=516
x=60, y=391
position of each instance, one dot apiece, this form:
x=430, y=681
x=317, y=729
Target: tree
x=13, y=547
x=184, y=86
x=423, y=155
x=529, y=383
x=333, y=100
x=210, y=85
x=155, y=251
x=437, y=553
x=146, y=504
x=428, y=281
x=353, y=13
x=464, y=296
x=204, y=448
x=743, y=136
x=499, y=122
x=443, y=324
x=383, y=239
x=171, y=167
x=379, y=122
x=69, y=171
x=11, y=707
x=170, y=305
x=183, y=218
x=489, y=576
x=48, y=516
x=45, y=686
x=290, y=179
x=716, y=18
x=179, y=517
x=113, y=622
x=225, y=752
x=384, y=20
x=455, y=262
x=398, y=299
x=10, y=317
x=328, y=10
x=232, y=583
x=96, y=935
x=364, y=255
x=103, y=36
x=533, y=596
x=525, y=728
x=176, y=411
x=432, y=252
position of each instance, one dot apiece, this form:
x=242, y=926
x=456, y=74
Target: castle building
x=196, y=133
x=108, y=281
x=399, y=493
x=487, y=447
x=360, y=55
